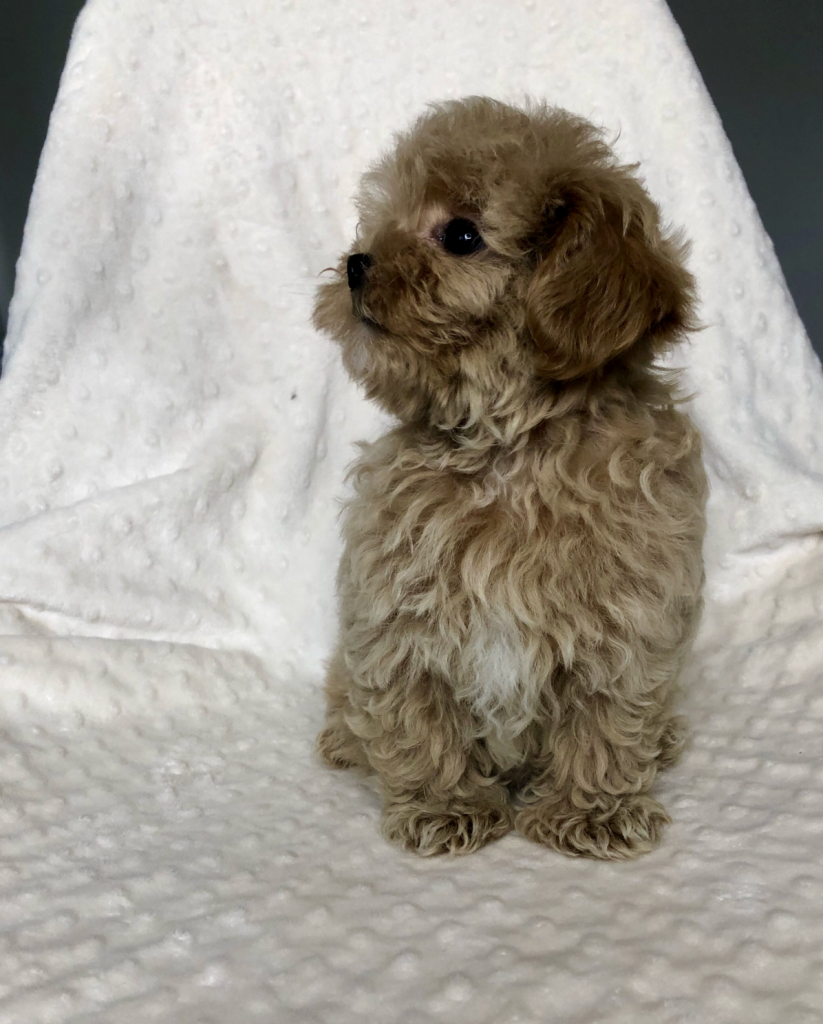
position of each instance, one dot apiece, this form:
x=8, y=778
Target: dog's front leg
x=591, y=798
x=439, y=783
x=337, y=744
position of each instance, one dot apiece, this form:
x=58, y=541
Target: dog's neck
x=522, y=423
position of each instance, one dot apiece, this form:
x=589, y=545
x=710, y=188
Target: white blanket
x=173, y=439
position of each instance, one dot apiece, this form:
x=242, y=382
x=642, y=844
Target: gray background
x=761, y=60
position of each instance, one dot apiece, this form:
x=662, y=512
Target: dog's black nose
x=356, y=267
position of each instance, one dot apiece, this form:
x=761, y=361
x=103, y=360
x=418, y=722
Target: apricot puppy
x=522, y=569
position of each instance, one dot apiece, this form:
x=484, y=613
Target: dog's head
x=501, y=254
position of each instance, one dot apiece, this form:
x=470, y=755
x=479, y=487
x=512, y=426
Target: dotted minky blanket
x=173, y=439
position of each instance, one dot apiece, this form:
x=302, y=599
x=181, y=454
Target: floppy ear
x=608, y=279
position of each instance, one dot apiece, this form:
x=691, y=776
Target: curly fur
x=522, y=569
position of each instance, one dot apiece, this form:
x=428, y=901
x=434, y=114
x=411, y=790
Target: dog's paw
x=429, y=831
x=628, y=827
x=340, y=748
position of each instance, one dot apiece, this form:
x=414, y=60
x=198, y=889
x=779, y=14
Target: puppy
x=522, y=570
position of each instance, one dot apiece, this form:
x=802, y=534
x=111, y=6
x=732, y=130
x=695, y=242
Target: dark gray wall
x=761, y=60
x=34, y=38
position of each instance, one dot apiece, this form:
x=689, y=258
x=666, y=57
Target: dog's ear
x=607, y=278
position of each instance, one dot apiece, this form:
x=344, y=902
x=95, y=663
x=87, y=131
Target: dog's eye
x=461, y=237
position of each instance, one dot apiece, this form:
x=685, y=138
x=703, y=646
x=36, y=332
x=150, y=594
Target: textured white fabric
x=173, y=438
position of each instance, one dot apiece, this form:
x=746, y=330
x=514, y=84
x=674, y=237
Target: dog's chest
x=495, y=670
x=482, y=589
x=457, y=561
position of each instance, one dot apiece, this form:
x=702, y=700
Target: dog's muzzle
x=356, y=267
